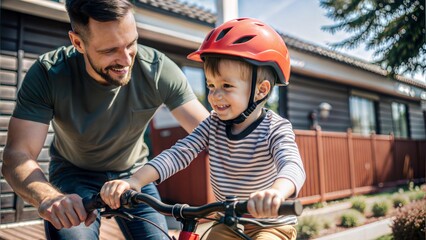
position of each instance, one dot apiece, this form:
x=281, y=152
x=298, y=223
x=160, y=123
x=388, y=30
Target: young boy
x=252, y=150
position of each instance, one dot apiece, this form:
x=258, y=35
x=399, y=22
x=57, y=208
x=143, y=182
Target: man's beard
x=109, y=78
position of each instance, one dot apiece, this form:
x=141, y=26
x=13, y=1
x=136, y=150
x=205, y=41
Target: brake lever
x=261, y=222
x=232, y=222
x=250, y=221
x=108, y=213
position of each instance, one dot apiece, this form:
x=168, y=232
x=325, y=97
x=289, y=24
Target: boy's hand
x=265, y=204
x=112, y=190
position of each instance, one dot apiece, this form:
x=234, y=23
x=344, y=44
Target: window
x=399, y=120
x=363, y=115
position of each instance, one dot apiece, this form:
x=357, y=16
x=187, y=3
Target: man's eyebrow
x=136, y=40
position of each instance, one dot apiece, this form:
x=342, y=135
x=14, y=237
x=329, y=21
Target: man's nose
x=126, y=57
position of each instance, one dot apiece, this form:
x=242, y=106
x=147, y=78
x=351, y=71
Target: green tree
x=393, y=29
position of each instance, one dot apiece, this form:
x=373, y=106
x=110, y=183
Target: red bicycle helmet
x=251, y=40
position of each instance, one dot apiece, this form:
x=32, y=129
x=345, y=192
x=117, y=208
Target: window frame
x=407, y=122
x=374, y=99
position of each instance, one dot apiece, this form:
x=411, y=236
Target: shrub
x=308, y=227
x=411, y=186
x=319, y=205
x=399, y=200
x=380, y=208
x=416, y=195
x=359, y=204
x=328, y=223
x=385, y=237
x=351, y=218
x=409, y=222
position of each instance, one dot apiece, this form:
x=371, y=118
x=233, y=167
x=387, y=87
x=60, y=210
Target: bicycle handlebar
x=131, y=197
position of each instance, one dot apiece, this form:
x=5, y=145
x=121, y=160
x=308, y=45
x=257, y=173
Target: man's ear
x=77, y=41
x=263, y=89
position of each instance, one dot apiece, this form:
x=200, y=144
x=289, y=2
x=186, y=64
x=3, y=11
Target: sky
x=302, y=19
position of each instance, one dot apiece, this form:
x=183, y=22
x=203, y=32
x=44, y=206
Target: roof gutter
x=151, y=25
x=317, y=66
x=40, y=8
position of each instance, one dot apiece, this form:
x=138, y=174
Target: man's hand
x=65, y=211
x=265, y=204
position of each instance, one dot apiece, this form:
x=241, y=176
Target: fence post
x=351, y=161
x=394, y=173
x=374, y=157
x=422, y=176
x=320, y=163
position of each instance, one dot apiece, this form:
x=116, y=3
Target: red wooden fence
x=337, y=164
x=344, y=164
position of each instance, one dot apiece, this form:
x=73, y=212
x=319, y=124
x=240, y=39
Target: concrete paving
x=366, y=232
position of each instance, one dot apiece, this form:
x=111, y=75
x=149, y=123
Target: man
x=100, y=94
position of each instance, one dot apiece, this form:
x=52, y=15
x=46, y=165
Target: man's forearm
x=27, y=178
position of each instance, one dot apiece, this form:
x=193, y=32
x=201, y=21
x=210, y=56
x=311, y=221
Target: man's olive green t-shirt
x=99, y=127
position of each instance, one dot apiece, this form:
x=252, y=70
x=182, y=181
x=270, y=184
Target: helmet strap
x=251, y=104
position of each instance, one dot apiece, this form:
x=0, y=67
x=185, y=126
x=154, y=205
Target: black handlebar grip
x=286, y=208
x=127, y=199
x=291, y=208
x=93, y=202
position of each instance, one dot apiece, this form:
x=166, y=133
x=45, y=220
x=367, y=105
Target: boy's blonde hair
x=211, y=65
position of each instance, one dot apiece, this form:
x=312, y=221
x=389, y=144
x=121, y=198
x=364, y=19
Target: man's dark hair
x=79, y=12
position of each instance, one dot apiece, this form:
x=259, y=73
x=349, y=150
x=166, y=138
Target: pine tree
x=393, y=29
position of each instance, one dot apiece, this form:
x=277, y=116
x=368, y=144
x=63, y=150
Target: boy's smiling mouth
x=222, y=107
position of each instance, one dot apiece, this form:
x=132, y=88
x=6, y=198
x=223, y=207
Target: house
x=357, y=95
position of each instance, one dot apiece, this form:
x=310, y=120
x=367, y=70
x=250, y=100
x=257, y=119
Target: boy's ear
x=263, y=89
x=77, y=41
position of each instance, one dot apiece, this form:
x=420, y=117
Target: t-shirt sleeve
x=173, y=85
x=34, y=99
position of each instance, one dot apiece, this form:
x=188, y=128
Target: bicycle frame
x=189, y=216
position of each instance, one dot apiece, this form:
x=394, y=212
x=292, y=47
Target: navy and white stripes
x=238, y=167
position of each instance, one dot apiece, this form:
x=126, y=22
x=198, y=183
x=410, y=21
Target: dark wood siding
x=37, y=38
x=13, y=68
x=305, y=94
x=31, y=34
x=9, y=30
x=23, y=38
x=385, y=112
x=417, y=122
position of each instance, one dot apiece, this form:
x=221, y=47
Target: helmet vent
x=223, y=33
x=210, y=34
x=244, y=39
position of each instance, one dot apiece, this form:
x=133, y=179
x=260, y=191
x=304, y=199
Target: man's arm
x=21, y=170
x=24, y=142
x=190, y=114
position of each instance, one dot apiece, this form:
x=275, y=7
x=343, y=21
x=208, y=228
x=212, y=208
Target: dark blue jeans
x=71, y=179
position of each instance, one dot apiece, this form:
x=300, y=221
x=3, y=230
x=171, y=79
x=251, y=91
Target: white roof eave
x=151, y=25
